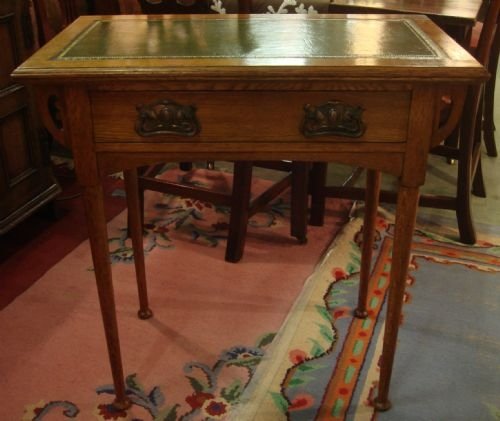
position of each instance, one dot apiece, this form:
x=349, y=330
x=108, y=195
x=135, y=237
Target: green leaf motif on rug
x=247, y=362
x=310, y=366
x=299, y=380
x=336, y=302
x=352, y=268
x=168, y=414
x=350, y=282
x=324, y=313
x=326, y=332
x=295, y=382
x=317, y=348
x=132, y=382
x=265, y=340
x=233, y=391
x=197, y=385
x=281, y=403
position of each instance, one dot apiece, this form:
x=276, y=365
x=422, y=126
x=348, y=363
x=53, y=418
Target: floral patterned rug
x=323, y=364
x=213, y=321
x=270, y=338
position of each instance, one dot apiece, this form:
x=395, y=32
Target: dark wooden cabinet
x=26, y=179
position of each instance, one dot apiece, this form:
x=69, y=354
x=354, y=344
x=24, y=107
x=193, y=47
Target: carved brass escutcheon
x=166, y=117
x=333, y=118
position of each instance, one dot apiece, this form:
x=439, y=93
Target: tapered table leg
x=96, y=223
x=371, y=204
x=135, y=228
x=405, y=223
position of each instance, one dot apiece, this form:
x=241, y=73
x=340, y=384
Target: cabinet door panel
x=16, y=155
x=26, y=180
x=8, y=59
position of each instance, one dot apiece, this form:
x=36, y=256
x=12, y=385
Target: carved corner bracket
x=333, y=118
x=166, y=117
x=449, y=111
x=51, y=110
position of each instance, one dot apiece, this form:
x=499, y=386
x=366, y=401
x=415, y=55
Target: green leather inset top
x=251, y=38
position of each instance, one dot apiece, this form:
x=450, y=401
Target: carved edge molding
x=166, y=117
x=333, y=118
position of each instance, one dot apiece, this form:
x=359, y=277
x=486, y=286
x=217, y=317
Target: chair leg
x=238, y=219
x=464, y=177
x=318, y=198
x=298, y=219
x=140, y=193
x=135, y=228
x=463, y=211
x=489, y=98
x=452, y=142
x=478, y=187
x=452, y=139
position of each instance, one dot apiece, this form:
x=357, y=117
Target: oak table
x=136, y=90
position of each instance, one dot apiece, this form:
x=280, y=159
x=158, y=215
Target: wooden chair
x=175, y=6
x=466, y=153
x=485, y=125
x=54, y=15
x=488, y=124
x=242, y=205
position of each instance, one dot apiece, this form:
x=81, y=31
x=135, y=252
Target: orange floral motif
x=339, y=274
x=297, y=356
x=301, y=401
x=341, y=312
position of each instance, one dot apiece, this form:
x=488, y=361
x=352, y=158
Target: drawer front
x=240, y=116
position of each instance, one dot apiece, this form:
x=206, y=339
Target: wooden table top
x=454, y=10
x=283, y=47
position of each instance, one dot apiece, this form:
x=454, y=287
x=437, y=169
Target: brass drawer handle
x=333, y=118
x=166, y=117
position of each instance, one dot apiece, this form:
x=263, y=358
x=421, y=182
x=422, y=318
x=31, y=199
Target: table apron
x=388, y=161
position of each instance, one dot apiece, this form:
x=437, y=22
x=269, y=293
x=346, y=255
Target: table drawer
x=242, y=116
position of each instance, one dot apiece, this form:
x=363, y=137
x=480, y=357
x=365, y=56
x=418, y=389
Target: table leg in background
x=371, y=204
x=135, y=229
